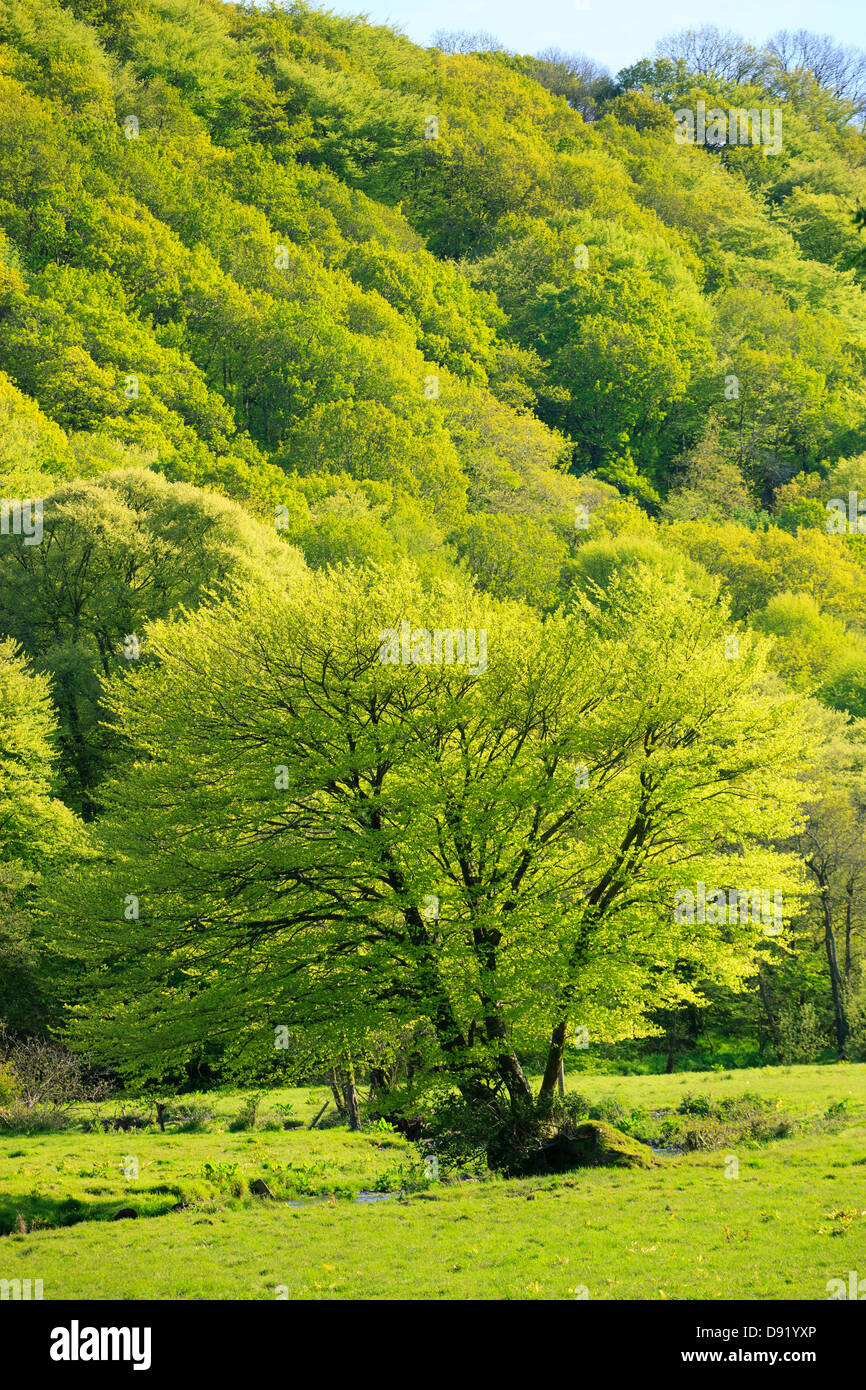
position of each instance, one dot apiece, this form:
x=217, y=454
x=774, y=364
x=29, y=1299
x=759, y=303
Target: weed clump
x=248, y=1115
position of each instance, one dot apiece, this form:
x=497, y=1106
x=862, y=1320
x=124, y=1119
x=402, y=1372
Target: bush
x=458, y=1132
x=193, y=1119
x=45, y=1081
x=695, y=1105
x=704, y=1123
x=293, y=1179
x=609, y=1109
x=856, y=1048
x=403, y=1177
x=19, y=1118
x=247, y=1117
x=122, y=1123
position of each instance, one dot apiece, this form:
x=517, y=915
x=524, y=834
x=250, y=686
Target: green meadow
x=792, y=1219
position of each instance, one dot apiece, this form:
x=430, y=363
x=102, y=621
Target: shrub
x=122, y=1123
x=403, y=1177
x=704, y=1123
x=247, y=1117
x=193, y=1119
x=19, y=1118
x=48, y=1081
x=856, y=1049
x=295, y=1179
x=459, y=1131
x=609, y=1109
x=840, y=1109
x=695, y=1105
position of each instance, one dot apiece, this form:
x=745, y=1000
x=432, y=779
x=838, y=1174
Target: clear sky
x=614, y=32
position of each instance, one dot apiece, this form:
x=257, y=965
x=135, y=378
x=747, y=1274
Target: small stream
x=364, y=1197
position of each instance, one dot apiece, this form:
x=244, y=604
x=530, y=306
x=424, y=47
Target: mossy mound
x=533, y=1146
x=595, y=1144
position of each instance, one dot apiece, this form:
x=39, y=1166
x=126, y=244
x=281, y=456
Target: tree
x=641, y=110
x=115, y=553
x=599, y=560
x=809, y=643
x=712, y=488
x=840, y=68
x=583, y=82
x=462, y=41
x=617, y=321
x=316, y=836
x=38, y=835
x=512, y=556
x=757, y=565
x=831, y=845
x=718, y=54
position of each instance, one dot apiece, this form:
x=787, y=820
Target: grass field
x=793, y=1218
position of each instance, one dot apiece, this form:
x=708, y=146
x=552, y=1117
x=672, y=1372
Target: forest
x=432, y=567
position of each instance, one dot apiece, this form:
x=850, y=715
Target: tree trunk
x=849, y=908
x=378, y=1082
x=840, y=1017
x=335, y=1091
x=768, y=1009
x=512, y=1073
x=552, y=1067
x=351, y=1094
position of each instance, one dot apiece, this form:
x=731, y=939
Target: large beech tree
x=312, y=837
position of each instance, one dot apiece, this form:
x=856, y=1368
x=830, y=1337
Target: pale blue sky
x=614, y=32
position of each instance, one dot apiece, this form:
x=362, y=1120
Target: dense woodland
x=306, y=331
